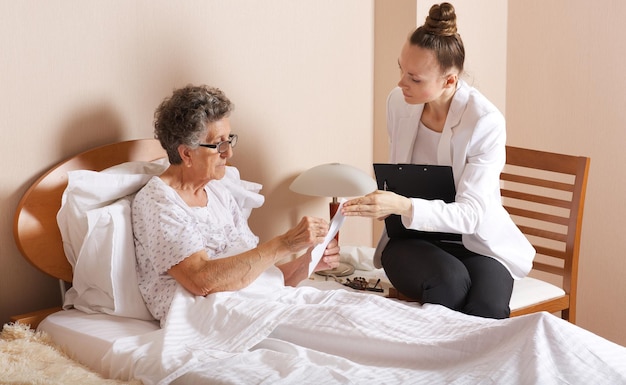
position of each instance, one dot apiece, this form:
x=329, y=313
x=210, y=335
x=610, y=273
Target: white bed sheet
x=345, y=338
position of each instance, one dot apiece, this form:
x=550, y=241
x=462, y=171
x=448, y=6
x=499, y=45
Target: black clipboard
x=416, y=181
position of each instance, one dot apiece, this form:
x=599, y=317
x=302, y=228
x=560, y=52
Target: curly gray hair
x=183, y=117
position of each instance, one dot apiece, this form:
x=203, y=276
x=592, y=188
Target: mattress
x=86, y=338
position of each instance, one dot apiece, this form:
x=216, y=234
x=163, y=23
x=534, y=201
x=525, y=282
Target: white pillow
x=87, y=190
x=105, y=279
x=95, y=226
x=94, y=221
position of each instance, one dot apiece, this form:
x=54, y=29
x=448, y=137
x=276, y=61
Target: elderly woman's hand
x=330, y=259
x=309, y=232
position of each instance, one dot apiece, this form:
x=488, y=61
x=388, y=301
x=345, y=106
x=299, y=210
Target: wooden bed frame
x=35, y=228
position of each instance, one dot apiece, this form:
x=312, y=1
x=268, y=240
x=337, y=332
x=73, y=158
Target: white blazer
x=473, y=143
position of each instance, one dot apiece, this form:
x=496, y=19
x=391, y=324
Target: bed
x=73, y=224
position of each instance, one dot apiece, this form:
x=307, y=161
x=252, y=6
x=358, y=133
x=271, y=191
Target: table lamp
x=334, y=180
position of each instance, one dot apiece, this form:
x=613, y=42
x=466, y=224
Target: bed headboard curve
x=35, y=227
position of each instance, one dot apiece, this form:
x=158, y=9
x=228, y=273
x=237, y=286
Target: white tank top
x=426, y=144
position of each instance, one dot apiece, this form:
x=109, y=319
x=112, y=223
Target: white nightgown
x=167, y=230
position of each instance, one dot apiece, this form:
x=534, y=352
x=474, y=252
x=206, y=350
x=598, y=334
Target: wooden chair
x=544, y=193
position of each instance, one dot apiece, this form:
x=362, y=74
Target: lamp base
x=333, y=206
x=342, y=270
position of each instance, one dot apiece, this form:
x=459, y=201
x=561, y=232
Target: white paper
x=333, y=229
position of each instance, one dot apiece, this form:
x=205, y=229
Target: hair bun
x=441, y=20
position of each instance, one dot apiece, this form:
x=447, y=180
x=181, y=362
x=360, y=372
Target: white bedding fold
x=304, y=335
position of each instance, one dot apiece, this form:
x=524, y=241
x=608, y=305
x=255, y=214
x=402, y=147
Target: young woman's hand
x=378, y=204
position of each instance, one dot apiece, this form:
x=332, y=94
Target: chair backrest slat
x=557, y=219
x=550, y=252
x=537, y=182
x=548, y=268
x=566, y=204
x=541, y=233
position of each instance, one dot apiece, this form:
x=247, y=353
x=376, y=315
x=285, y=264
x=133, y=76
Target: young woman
x=434, y=117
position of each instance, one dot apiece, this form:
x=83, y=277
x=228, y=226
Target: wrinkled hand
x=378, y=204
x=309, y=232
x=330, y=259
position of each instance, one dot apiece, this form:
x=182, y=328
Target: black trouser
x=448, y=274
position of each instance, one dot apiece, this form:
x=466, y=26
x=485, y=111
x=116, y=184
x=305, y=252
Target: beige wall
x=78, y=74
x=394, y=20
x=566, y=92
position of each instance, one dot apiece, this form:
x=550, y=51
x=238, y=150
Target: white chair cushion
x=528, y=291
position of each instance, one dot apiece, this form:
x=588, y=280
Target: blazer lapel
x=459, y=101
x=407, y=131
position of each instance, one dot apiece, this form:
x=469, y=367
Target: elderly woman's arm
x=298, y=269
x=202, y=276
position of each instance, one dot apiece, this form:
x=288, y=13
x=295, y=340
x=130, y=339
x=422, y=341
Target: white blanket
x=304, y=335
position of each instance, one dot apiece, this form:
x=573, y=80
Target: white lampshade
x=333, y=180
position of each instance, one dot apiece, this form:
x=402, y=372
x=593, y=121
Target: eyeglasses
x=360, y=283
x=222, y=147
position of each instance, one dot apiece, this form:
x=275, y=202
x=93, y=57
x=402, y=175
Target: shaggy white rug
x=28, y=357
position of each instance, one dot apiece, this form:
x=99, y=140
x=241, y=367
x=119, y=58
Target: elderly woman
x=188, y=228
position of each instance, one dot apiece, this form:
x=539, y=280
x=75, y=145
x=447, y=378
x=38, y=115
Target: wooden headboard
x=35, y=227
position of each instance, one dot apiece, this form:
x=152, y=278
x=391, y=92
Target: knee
x=449, y=289
x=487, y=309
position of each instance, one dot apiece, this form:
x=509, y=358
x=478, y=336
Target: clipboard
x=416, y=181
